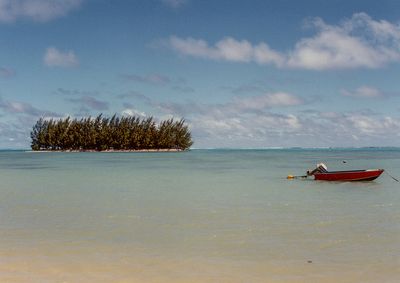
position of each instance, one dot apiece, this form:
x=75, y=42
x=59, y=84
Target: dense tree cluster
x=115, y=133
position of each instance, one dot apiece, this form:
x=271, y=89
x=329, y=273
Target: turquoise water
x=198, y=216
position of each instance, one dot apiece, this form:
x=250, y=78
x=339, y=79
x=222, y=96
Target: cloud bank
x=274, y=119
x=358, y=42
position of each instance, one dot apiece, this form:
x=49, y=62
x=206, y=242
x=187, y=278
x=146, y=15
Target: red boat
x=353, y=175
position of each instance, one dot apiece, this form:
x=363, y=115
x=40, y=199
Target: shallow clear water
x=198, y=216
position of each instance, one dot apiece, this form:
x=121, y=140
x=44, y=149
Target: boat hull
x=355, y=175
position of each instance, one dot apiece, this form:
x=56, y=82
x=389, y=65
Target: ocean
x=218, y=215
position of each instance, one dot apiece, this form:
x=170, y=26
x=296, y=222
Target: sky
x=243, y=74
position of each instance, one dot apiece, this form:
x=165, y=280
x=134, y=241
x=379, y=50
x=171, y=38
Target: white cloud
x=192, y=47
x=373, y=126
x=56, y=58
x=174, y=3
x=263, y=54
x=332, y=49
x=363, y=92
x=358, y=42
x=381, y=30
x=133, y=112
x=227, y=49
x=37, y=10
x=355, y=43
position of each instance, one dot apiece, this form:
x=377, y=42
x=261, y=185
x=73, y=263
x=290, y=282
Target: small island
x=110, y=134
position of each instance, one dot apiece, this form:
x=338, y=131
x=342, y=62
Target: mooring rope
x=391, y=176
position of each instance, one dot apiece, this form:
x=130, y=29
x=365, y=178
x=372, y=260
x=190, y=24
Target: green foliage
x=115, y=133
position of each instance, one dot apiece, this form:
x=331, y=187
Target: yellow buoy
x=290, y=177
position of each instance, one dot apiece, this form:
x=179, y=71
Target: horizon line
x=255, y=148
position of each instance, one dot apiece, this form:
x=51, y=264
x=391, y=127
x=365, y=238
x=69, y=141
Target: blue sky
x=242, y=73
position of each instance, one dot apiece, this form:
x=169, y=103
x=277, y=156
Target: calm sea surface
x=198, y=216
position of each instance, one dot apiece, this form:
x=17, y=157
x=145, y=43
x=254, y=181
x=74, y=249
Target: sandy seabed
x=104, y=266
